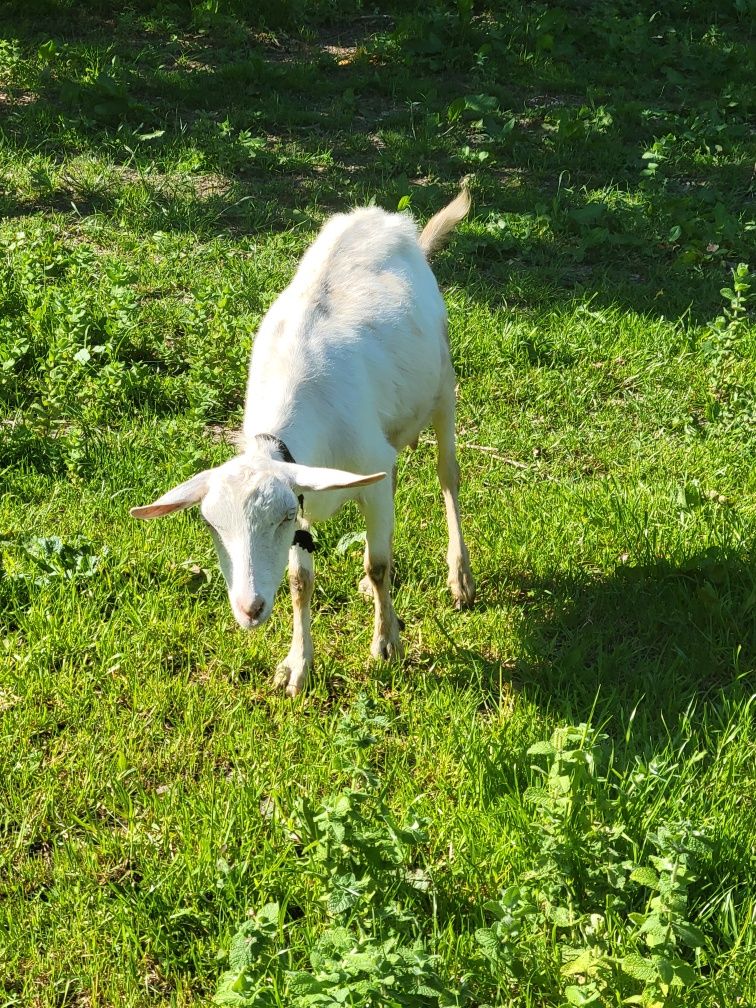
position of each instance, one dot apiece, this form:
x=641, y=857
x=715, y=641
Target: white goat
x=349, y=365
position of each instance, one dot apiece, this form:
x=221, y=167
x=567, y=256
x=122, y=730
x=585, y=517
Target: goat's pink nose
x=254, y=608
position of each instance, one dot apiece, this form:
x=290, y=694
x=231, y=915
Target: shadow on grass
x=649, y=643
x=341, y=112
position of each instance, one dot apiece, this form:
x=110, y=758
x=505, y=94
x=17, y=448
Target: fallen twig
x=494, y=454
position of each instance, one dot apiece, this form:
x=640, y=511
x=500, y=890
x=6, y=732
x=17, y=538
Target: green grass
x=161, y=173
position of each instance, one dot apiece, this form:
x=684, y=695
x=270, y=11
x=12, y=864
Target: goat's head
x=251, y=507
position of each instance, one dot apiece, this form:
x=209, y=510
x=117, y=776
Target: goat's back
x=356, y=343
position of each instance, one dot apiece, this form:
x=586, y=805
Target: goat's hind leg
x=293, y=670
x=461, y=582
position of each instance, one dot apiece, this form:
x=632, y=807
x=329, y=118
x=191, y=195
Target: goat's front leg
x=378, y=509
x=365, y=586
x=293, y=670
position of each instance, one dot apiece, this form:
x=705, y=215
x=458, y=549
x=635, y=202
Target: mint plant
x=664, y=928
x=727, y=328
x=344, y=968
x=581, y=889
x=576, y=910
x=731, y=402
x=363, y=860
x=579, y=857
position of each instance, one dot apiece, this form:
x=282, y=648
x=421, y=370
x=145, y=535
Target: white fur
x=349, y=365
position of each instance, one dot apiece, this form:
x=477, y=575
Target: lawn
x=552, y=800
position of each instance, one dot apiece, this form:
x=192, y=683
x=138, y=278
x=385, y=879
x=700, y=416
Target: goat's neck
x=282, y=447
x=271, y=445
x=299, y=439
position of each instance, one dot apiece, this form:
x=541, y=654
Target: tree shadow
x=260, y=126
x=647, y=644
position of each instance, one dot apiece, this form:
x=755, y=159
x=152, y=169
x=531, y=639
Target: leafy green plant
x=656, y=155
x=362, y=854
x=727, y=328
x=506, y=940
x=49, y=559
x=250, y=955
x=665, y=928
x=581, y=889
x=574, y=907
x=371, y=951
x=731, y=404
x=345, y=968
x=579, y=861
x=582, y=123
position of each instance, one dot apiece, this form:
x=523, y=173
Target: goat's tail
x=438, y=228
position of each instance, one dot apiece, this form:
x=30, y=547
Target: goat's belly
x=407, y=433
x=413, y=407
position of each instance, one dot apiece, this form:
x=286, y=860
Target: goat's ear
x=182, y=496
x=308, y=478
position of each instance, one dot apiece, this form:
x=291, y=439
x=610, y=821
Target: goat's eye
x=290, y=516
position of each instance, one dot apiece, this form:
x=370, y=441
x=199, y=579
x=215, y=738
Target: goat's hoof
x=365, y=587
x=387, y=648
x=462, y=588
x=291, y=676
